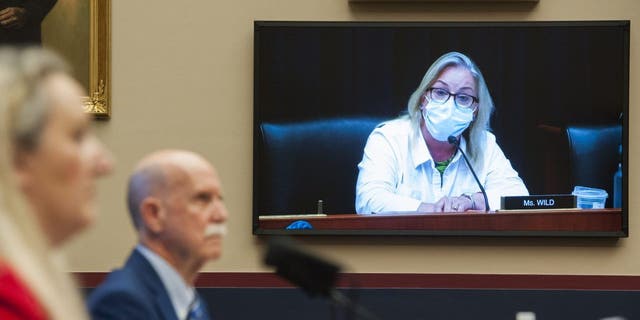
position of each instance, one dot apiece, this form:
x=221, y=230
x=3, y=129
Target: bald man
x=176, y=206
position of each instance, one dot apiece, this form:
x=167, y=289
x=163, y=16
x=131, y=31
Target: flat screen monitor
x=560, y=92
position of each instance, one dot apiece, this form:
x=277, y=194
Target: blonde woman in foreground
x=49, y=161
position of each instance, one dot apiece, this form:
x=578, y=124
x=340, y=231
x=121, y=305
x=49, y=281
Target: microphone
x=454, y=141
x=314, y=275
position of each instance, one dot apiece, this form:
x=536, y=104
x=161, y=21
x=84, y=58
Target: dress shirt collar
x=420, y=152
x=180, y=293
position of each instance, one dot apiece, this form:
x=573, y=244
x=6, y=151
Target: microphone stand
x=354, y=310
x=456, y=142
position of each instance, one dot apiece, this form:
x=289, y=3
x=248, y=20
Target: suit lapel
x=164, y=305
x=153, y=285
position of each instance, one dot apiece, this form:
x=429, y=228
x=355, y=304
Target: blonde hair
x=23, y=114
x=475, y=134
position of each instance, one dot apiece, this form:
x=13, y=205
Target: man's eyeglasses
x=463, y=101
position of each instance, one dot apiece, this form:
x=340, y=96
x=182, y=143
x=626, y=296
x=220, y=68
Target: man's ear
x=152, y=215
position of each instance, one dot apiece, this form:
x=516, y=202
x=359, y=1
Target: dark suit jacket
x=133, y=292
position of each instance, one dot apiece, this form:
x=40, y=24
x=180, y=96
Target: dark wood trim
x=410, y=281
x=568, y=222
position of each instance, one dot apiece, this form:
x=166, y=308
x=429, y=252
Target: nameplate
x=544, y=201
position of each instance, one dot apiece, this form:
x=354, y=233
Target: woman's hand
x=448, y=204
x=454, y=204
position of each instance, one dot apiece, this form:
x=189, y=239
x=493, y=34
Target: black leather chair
x=594, y=156
x=303, y=162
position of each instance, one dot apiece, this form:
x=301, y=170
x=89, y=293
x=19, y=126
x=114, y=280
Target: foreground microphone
x=313, y=274
x=454, y=141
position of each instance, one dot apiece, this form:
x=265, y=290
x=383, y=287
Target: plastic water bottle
x=617, y=185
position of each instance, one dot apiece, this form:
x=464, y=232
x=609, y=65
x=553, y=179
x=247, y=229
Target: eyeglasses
x=464, y=101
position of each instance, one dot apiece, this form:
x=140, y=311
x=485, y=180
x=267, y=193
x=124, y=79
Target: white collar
x=420, y=152
x=180, y=293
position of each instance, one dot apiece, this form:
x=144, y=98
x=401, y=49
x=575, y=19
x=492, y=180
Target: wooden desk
x=578, y=222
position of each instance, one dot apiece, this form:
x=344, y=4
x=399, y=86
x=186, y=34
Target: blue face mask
x=445, y=119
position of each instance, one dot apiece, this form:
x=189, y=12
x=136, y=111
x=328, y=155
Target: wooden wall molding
x=411, y=281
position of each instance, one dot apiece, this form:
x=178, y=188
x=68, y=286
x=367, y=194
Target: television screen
x=335, y=140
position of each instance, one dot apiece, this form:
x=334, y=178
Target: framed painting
x=80, y=31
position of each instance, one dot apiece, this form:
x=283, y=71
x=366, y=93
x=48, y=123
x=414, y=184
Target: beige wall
x=182, y=77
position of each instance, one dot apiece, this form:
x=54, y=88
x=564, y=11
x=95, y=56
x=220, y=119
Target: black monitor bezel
x=623, y=24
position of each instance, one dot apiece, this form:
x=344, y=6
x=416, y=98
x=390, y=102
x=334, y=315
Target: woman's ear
x=423, y=101
x=22, y=169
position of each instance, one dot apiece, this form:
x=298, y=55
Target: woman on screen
x=49, y=160
x=409, y=164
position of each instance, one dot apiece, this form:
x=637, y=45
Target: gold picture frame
x=98, y=103
x=80, y=32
